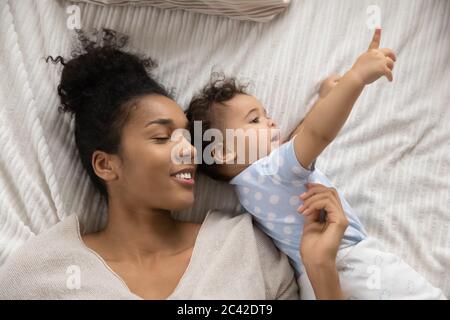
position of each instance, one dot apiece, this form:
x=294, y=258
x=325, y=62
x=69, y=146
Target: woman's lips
x=184, y=176
x=188, y=182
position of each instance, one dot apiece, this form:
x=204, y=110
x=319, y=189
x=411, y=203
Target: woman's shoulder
x=230, y=224
x=234, y=237
x=230, y=219
x=63, y=233
x=221, y=224
x=39, y=253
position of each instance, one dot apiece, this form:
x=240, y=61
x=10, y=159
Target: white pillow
x=253, y=10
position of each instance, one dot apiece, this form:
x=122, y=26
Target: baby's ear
x=222, y=155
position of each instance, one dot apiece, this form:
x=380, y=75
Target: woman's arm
x=321, y=238
x=325, y=281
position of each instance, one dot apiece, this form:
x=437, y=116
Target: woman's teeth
x=185, y=176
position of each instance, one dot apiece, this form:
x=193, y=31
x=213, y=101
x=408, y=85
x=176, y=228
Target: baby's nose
x=272, y=123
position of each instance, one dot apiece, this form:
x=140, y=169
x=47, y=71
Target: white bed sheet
x=391, y=160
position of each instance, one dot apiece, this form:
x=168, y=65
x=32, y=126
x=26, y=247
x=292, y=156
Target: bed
x=391, y=160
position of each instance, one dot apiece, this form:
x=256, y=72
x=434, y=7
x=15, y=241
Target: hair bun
x=96, y=70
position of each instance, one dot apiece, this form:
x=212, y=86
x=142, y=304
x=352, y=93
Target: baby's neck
x=232, y=170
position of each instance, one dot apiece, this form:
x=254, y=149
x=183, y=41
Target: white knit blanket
x=391, y=160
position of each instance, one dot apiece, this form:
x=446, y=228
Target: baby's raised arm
x=323, y=123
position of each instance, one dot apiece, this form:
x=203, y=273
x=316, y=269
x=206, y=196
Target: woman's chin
x=183, y=202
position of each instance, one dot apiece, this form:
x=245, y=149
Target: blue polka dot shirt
x=269, y=190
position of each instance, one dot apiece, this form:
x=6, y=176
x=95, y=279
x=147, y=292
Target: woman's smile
x=184, y=176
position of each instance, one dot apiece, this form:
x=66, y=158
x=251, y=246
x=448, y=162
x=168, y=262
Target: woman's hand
x=374, y=63
x=321, y=239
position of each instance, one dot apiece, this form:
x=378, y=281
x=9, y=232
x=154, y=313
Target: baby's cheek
x=265, y=146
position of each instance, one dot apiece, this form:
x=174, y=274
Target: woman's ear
x=222, y=155
x=104, y=165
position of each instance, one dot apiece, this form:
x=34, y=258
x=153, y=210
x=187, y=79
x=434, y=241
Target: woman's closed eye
x=161, y=139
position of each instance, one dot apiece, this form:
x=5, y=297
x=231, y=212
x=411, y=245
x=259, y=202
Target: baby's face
x=245, y=114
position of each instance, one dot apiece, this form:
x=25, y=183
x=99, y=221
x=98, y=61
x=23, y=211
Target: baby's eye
x=255, y=120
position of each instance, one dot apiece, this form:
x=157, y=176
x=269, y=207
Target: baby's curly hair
x=98, y=86
x=219, y=89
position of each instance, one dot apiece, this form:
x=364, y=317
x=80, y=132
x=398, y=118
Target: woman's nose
x=271, y=123
x=188, y=151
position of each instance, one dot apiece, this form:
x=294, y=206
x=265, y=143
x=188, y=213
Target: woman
x=124, y=120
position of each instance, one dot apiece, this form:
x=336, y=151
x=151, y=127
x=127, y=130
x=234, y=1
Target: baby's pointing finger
x=375, y=43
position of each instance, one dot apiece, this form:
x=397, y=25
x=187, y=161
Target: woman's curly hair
x=220, y=89
x=98, y=86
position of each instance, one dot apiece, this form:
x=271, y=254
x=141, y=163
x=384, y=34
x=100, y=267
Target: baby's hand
x=374, y=63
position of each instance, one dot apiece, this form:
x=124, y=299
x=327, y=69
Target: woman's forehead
x=153, y=107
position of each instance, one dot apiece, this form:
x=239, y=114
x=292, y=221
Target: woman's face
x=147, y=176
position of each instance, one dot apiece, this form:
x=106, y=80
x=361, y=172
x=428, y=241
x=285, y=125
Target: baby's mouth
x=275, y=137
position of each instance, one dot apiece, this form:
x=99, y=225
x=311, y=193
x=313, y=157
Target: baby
x=268, y=187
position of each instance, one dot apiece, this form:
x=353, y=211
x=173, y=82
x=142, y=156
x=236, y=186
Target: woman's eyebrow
x=254, y=109
x=161, y=121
